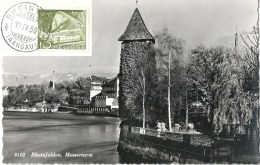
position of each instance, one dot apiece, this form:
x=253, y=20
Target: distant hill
x=107, y=75
x=9, y=79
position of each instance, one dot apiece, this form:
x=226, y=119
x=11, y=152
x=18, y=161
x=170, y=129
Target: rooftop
x=110, y=83
x=136, y=29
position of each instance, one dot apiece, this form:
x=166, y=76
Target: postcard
x=130, y=82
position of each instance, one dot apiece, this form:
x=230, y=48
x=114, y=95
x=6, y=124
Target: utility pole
x=53, y=81
x=24, y=82
x=169, y=93
x=16, y=82
x=90, y=72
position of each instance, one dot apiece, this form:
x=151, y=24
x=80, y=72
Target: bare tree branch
x=251, y=40
x=249, y=47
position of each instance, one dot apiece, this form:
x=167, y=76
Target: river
x=28, y=133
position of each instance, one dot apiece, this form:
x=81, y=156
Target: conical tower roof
x=136, y=29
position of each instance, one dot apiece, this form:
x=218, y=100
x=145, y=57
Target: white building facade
x=109, y=94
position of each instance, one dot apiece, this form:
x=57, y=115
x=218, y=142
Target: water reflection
x=60, y=133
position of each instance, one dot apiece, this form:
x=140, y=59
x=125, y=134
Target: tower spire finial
x=236, y=38
x=136, y=3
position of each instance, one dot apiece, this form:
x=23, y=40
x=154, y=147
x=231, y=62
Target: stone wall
x=182, y=149
x=189, y=148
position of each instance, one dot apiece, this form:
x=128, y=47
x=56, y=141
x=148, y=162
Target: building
x=105, y=102
x=96, y=88
x=109, y=95
x=110, y=88
x=135, y=40
x=5, y=91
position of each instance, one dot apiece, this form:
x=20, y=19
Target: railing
x=91, y=110
x=193, y=139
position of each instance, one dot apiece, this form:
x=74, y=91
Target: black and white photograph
x=167, y=82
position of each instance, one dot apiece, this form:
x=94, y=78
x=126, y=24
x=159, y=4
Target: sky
x=208, y=22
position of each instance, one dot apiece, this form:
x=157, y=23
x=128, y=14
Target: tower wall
x=131, y=55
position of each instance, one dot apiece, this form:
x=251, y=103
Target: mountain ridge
x=9, y=79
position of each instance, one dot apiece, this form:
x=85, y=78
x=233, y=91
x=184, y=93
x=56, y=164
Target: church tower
x=136, y=43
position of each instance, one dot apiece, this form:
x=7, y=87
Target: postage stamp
x=20, y=26
x=62, y=29
x=46, y=28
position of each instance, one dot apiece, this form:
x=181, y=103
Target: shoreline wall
x=186, y=148
x=183, y=150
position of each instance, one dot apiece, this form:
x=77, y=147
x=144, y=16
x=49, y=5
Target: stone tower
x=136, y=40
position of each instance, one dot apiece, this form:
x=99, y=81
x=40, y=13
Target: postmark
x=19, y=27
x=62, y=29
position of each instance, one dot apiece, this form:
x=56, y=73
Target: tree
x=16, y=95
x=72, y=92
x=169, y=57
x=219, y=74
x=33, y=95
x=140, y=86
x=6, y=102
x=203, y=72
x=78, y=90
x=233, y=104
x=54, y=96
x=251, y=69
